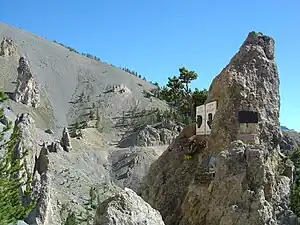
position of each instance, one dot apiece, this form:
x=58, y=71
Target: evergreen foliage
x=180, y=97
x=12, y=173
x=295, y=191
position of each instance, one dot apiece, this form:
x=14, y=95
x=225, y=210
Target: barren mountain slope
x=70, y=87
x=70, y=83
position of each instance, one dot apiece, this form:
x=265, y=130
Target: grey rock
x=27, y=91
x=289, y=169
x=247, y=175
x=148, y=137
x=43, y=160
x=126, y=208
x=65, y=141
x=39, y=215
x=129, y=167
x=249, y=82
x=119, y=89
x=55, y=147
x=152, y=135
x=290, y=140
x=7, y=47
x=49, y=131
x=36, y=162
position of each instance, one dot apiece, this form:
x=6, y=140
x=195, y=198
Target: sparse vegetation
x=176, y=92
x=179, y=95
x=90, y=56
x=74, y=50
x=13, y=176
x=71, y=217
x=295, y=190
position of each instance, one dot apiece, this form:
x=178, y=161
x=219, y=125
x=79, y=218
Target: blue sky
x=156, y=37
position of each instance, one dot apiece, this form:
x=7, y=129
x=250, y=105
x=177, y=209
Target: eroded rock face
x=249, y=185
x=160, y=134
x=7, y=47
x=55, y=147
x=66, y=140
x=36, y=163
x=167, y=182
x=247, y=177
x=249, y=82
x=290, y=140
x=130, y=166
x=27, y=91
x=126, y=208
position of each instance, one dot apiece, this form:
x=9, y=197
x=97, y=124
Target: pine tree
x=11, y=205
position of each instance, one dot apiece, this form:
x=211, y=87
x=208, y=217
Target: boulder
x=126, y=208
x=27, y=91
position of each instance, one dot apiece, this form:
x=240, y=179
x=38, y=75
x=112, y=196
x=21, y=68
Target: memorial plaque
x=200, y=119
x=248, y=127
x=210, y=109
x=247, y=117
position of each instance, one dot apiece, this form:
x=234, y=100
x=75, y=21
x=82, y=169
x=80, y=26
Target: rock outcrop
x=130, y=166
x=248, y=184
x=290, y=140
x=65, y=141
x=159, y=134
x=119, y=89
x=27, y=91
x=126, y=208
x=55, y=147
x=250, y=82
x=36, y=163
x=7, y=47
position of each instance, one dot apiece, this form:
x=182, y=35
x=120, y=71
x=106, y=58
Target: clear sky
x=156, y=37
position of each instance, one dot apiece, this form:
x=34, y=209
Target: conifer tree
x=11, y=204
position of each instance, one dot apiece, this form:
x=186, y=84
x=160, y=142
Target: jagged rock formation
x=7, y=47
x=55, y=147
x=249, y=185
x=27, y=91
x=167, y=182
x=36, y=163
x=65, y=141
x=290, y=140
x=126, y=208
x=249, y=82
